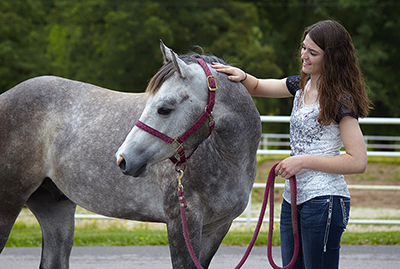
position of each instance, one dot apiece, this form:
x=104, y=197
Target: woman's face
x=312, y=57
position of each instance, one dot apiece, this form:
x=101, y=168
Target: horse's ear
x=164, y=49
x=170, y=56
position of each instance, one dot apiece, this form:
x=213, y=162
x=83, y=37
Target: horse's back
x=40, y=109
x=41, y=94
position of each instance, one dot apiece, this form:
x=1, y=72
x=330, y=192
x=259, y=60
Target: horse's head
x=177, y=96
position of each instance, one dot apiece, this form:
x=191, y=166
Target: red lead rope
x=269, y=188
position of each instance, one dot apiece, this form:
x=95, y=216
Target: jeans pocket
x=345, y=204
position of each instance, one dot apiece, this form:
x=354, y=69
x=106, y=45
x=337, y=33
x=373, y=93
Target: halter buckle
x=211, y=118
x=215, y=82
x=175, y=145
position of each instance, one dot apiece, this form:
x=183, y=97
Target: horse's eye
x=164, y=111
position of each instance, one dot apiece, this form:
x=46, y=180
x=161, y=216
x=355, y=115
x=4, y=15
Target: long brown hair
x=341, y=80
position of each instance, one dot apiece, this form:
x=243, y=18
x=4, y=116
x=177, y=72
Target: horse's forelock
x=167, y=70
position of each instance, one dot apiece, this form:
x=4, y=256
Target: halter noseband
x=176, y=144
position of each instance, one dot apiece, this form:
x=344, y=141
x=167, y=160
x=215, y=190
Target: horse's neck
x=238, y=127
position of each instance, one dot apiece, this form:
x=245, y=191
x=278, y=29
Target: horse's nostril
x=121, y=163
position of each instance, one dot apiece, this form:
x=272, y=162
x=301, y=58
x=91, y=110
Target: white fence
x=283, y=140
x=389, y=149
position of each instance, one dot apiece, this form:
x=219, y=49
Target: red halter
x=176, y=144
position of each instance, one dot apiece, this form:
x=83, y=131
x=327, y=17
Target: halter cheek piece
x=176, y=144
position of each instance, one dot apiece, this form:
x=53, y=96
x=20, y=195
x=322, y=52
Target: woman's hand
x=290, y=166
x=235, y=74
x=354, y=161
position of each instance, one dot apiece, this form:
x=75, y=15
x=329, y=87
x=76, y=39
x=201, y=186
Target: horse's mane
x=167, y=70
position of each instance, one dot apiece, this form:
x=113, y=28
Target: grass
x=371, y=238
x=23, y=235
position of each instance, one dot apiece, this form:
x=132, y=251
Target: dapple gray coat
x=58, y=140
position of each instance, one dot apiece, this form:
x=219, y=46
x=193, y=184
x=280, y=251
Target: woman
x=329, y=96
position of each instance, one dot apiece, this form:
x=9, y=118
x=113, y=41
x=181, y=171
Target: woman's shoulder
x=347, y=107
x=293, y=84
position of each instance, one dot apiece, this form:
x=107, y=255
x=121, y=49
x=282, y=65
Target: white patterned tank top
x=307, y=136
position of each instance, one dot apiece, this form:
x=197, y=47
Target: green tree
x=115, y=44
x=22, y=49
x=374, y=26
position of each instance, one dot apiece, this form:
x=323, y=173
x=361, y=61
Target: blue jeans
x=321, y=223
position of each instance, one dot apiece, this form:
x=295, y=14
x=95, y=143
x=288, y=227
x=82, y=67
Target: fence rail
x=249, y=220
x=388, y=144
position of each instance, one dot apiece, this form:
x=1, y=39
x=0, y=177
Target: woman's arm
x=354, y=161
x=275, y=88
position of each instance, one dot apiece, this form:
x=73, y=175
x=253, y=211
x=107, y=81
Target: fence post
x=248, y=214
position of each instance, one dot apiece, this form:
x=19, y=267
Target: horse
x=59, y=140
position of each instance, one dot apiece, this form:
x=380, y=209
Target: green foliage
x=114, y=44
x=22, y=43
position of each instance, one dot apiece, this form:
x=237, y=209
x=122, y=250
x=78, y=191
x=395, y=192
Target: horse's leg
x=211, y=240
x=180, y=255
x=205, y=243
x=55, y=214
x=8, y=214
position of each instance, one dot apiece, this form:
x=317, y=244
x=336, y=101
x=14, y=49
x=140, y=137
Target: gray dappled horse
x=58, y=140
